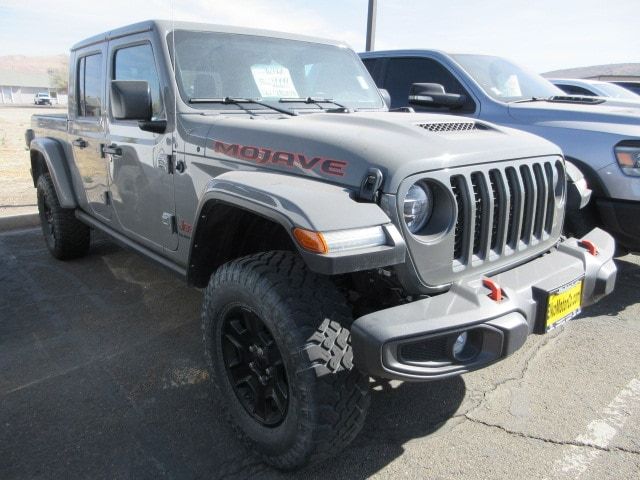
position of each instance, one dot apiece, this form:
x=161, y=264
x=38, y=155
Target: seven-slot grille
x=504, y=209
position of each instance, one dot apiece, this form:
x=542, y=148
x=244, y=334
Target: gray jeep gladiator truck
x=597, y=135
x=334, y=240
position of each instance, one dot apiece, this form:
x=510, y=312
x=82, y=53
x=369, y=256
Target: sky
x=544, y=35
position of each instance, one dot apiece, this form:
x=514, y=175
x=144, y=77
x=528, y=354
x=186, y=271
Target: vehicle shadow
x=399, y=413
x=397, y=416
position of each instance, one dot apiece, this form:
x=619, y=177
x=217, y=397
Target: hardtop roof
x=166, y=26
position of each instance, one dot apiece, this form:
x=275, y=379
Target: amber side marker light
x=338, y=241
x=312, y=241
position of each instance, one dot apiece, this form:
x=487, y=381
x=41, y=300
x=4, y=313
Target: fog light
x=458, y=345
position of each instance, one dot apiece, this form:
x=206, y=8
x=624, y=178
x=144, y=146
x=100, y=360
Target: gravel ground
x=102, y=376
x=17, y=195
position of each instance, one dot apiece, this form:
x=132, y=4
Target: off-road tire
x=66, y=237
x=309, y=321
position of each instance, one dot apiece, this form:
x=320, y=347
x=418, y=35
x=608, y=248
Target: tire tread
x=341, y=390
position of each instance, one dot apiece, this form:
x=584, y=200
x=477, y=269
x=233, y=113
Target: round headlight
x=418, y=205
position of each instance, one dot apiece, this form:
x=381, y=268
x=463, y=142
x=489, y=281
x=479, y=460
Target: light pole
x=371, y=25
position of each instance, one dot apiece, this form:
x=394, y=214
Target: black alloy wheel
x=49, y=228
x=254, y=366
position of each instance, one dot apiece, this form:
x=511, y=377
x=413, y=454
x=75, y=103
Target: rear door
x=87, y=128
x=141, y=179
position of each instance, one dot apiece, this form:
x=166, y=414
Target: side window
x=402, y=72
x=90, y=86
x=137, y=63
x=374, y=65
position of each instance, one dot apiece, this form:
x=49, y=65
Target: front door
x=87, y=122
x=142, y=188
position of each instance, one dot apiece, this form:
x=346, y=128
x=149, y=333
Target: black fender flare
x=578, y=188
x=306, y=203
x=53, y=153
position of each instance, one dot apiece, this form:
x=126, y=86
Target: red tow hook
x=496, y=292
x=590, y=246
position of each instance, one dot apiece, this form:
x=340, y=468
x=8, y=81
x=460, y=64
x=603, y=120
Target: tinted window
x=574, y=90
x=137, y=63
x=504, y=80
x=374, y=65
x=616, y=91
x=632, y=86
x=90, y=86
x=402, y=72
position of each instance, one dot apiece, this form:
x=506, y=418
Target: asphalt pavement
x=102, y=375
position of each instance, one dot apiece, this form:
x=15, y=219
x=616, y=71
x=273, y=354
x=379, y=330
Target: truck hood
x=341, y=147
x=543, y=111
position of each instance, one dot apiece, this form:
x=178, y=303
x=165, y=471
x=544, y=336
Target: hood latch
x=370, y=185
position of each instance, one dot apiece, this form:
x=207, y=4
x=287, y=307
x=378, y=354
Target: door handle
x=112, y=150
x=79, y=142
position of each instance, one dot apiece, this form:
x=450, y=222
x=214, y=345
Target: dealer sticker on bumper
x=564, y=304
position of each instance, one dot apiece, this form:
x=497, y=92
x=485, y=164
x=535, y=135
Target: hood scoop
x=451, y=127
x=577, y=99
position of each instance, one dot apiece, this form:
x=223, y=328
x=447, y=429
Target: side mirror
x=385, y=96
x=131, y=100
x=433, y=95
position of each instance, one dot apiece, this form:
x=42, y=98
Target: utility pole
x=371, y=25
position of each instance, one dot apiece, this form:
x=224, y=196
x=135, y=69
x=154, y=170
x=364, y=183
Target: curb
x=15, y=222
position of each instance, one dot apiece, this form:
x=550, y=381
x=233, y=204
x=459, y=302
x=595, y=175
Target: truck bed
x=50, y=125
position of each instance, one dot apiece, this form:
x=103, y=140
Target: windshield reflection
x=504, y=80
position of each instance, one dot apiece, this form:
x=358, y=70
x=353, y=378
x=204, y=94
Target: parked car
x=334, y=240
x=594, y=88
x=42, y=99
x=629, y=85
x=602, y=141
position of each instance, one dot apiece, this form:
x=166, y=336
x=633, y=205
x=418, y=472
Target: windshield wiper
x=531, y=99
x=317, y=101
x=240, y=101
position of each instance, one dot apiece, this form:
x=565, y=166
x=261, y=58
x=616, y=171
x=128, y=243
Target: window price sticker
x=274, y=81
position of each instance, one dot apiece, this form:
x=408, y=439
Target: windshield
x=616, y=91
x=213, y=65
x=504, y=80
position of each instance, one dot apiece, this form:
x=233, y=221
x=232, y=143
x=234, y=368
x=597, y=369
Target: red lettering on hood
x=283, y=158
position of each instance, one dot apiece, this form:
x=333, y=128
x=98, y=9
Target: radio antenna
x=175, y=78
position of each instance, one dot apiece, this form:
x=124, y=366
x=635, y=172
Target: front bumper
x=411, y=341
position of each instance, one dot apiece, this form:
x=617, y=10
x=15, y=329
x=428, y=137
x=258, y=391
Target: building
x=21, y=88
x=617, y=72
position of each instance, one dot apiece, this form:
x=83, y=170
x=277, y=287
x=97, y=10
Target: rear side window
x=137, y=63
x=90, y=86
x=402, y=72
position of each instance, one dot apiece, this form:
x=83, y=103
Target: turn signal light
x=338, y=241
x=312, y=241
